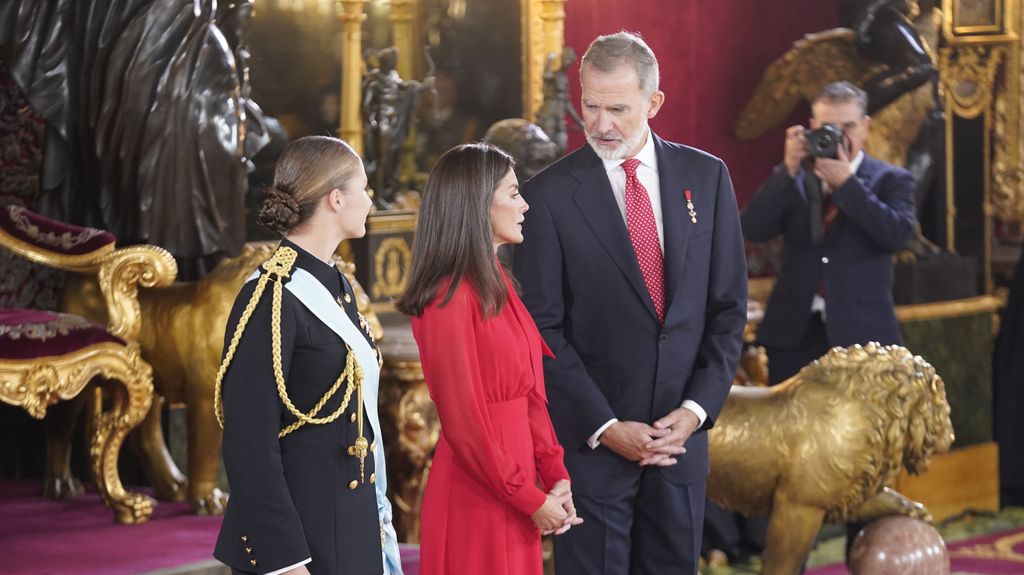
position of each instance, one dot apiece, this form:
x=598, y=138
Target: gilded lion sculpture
x=825, y=444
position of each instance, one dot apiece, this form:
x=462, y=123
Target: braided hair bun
x=280, y=211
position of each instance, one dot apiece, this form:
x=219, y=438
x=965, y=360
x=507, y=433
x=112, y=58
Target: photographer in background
x=842, y=214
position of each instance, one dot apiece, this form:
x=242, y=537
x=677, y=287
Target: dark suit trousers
x=785, y=362
x=651, y=528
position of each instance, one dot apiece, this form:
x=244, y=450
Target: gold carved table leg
x=129, y=387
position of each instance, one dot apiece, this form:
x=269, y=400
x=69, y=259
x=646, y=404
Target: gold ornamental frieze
x=969, y=74
x=1007, y=172
x=391, y=262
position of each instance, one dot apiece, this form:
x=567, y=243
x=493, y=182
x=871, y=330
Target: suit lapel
x=676, y=224
x=596, y=202
x=866, y=171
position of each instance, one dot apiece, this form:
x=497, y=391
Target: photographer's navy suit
x=853, y=257
x=582, y=284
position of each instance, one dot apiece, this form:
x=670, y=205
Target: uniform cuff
x=290, y=567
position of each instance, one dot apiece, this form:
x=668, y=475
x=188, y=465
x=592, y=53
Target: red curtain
x=712, y=54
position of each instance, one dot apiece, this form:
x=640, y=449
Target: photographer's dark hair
x=308, y=169
x=842, y=92
x=453, y=231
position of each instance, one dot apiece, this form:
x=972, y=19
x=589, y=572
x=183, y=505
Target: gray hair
x=608, y=52
x=841, y=93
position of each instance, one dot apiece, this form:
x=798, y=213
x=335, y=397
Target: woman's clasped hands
x=558, y=514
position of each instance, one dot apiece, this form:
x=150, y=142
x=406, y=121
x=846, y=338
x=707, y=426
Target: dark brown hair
x=308, y=169
x=453, y=231
x=841, y=93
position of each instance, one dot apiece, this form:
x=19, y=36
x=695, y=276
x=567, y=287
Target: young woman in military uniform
x=297, y=388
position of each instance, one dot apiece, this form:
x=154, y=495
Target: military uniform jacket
x=292, y=499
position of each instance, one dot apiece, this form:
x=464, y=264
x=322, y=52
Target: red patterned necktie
x=643, y=233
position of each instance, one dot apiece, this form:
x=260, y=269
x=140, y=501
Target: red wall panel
x=712, y=53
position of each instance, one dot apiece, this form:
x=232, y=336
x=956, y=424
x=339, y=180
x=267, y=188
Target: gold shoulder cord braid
x=279, y=267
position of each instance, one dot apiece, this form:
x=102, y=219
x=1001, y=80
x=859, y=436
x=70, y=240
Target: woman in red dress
x=483, y=511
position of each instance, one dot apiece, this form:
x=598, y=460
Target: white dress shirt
x=818, y=302
x=647, y=173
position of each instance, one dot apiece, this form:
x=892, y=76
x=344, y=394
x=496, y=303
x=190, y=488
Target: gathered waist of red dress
x=510, y=408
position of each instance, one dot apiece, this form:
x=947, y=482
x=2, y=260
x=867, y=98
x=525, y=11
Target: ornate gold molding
x=351, y=17
x=948, y=309
x=403, y=35
x=411, y=419
x=969, y=75
x=389, y=221
x=998, y=28
x=35, y=384
x=121, y=273
x=1007, y=172
x=392, y=262
x=542, y=26
x=86, y=263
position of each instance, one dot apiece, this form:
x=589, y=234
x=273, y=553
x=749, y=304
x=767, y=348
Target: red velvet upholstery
x=26, y=333
x=50, y=234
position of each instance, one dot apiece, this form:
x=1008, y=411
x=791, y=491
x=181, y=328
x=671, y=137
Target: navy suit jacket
x=876, y=218
x=582, y=284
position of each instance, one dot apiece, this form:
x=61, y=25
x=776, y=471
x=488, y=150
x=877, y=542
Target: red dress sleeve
x=546, y=449
x=448, y=347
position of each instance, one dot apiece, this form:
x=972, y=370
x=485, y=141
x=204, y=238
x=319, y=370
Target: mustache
x=604, y=136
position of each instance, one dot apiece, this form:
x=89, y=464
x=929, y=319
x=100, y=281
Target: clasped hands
x=558, y=514
x=656, y=444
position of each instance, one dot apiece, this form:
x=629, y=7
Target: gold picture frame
x=542, y=30
x=977, y=21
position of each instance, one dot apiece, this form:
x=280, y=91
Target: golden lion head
x=900, y=390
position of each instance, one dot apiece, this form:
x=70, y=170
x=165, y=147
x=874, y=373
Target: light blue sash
x=315, y=297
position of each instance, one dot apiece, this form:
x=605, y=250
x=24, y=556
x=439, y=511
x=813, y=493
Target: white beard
x=619, y=152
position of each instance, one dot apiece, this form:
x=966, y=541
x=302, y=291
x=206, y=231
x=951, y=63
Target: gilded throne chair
x=47, y=357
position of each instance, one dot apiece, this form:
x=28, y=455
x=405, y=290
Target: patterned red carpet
x=79, y=537
x=994, y=554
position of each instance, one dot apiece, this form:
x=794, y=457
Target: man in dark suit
x=841, y=220
x=633, y=269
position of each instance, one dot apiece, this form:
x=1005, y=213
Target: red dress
x=486, y=378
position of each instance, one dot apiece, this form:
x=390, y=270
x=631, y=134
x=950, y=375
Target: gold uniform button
x=248, y=550
x=373, y=446
x=244, y=538
x=353, y=418
x=373, y=478
x=252, y=562
x=353, y=484
x=348, y=298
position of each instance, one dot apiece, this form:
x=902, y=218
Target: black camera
x=824, y=142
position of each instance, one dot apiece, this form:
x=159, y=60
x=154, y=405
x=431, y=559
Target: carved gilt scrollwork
x=392, y=263
x=983, y=75
x=121, y=273
x=969, y=75
x=35, y=386
x=1007, y=171
x=543, y=32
